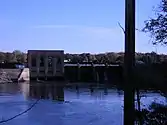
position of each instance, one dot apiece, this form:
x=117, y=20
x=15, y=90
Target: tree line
x=110, y=57
x=13, y=57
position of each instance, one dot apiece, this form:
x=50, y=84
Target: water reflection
x=91, y=89
x=105, y=91
x=55, y=91
x=96, y=105
x=47, y=91
x=9, y=88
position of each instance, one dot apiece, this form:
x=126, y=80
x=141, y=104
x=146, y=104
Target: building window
x=50, y=60
x=41, y=61
x=50, y=72
x=58, y=61
x=33, y=61
x=42, y=71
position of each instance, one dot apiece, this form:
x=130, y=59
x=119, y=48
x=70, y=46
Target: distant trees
x=19, y=56
x=109, y=57
x=9, y=57
x=112, y=57
x=13, y=57
x=2, y=57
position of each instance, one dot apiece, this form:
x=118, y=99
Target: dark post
x=78, y=73
x=129, y=60
x=93, y=72
x=106, y=74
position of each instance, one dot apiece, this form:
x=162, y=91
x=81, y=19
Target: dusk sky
x=76, y=26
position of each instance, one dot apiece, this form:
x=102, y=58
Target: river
x=82, y=106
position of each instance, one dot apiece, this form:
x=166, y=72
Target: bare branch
x=121, y=27
x=124, y=29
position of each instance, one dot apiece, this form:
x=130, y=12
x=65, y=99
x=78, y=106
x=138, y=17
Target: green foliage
x=9, y=57
x=2, y=57
x=157, y=26
x=110, y=57
x=15, y=56
x=19, y=56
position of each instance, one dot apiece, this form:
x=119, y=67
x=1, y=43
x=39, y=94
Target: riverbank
x=9, y=75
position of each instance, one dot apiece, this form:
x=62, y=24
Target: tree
x=68, y=56
x=19, y=56
x=112, y=57
x=2, y=57
x=92, y=58
x=154, y=115
x=76, y=58
x=157, y=27
x=84, y=57
x=9, y=57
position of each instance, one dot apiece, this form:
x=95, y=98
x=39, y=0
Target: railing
x=90, y=65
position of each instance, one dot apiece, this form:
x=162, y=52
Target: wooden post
x=129, y=60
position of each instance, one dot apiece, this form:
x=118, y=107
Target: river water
x=82, y=106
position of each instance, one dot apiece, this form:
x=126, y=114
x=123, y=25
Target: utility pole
x=129, y=62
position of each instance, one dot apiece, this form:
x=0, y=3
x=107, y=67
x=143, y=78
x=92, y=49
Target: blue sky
x=76, y=26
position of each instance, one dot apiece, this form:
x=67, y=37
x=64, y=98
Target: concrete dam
x=93, y=73
x=49, y=65
x=84, y=73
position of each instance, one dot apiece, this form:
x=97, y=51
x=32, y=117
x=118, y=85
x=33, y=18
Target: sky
x=75, y=26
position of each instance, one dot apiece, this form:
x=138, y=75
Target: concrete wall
x=25, y=75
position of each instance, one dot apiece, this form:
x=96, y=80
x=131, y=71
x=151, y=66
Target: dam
x=49, y=65
x=46, y=64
